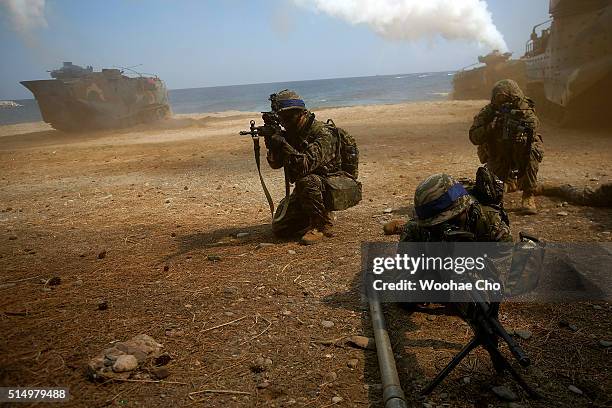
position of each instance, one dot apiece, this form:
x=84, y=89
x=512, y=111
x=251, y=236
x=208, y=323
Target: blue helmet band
x=435, y=207
x=290, y=103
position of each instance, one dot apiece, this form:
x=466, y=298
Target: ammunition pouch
x=341, y=192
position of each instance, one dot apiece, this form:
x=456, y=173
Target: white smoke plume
x=415, y=19
x=26, y=15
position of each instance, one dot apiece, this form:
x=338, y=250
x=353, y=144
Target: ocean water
x=372, y=90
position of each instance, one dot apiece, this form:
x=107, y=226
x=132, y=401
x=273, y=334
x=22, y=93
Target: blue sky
x=225, y=42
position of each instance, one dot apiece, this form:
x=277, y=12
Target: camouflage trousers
x=305, y=208
x=599, y=197
x=520, y=161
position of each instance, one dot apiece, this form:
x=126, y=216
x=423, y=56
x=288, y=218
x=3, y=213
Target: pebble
x=103, y=305
x=466, y=380
x=504, y=393
x=213, y=258
x=230, y=291
x=263, y=245
x=228, y=313
x=242, y=234
x=388, y=210
x=160, y=373
x=162, y=360
x=362, y=342
x=54, y=281
x=12, y=238
x=431, y=318
x=523, y=334
x=125, y=363
x=352, y=363
x=337, y=400
x=597, y=307
x=291, y=252
x=102, y=254
x=444, y=395
x=173, y=234
x=427, y=405
x=605, y=343
x=78, y=282
x=327, y=324
x=263, y=384
x=562, y=213
x=259, y=365
x=331, y=376
x=565, y=323
x=575, y=389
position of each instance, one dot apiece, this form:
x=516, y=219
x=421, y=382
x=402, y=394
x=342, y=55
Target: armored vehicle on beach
x=566, y=69
x=476, y=83
x=82, y=99
x=569, y=64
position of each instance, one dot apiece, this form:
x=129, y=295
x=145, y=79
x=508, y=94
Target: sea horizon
x=317, y=93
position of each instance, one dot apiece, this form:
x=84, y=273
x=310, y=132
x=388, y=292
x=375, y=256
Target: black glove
x=275, y=141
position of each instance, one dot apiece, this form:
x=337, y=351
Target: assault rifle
x=482, y=317
x=270, y=127
x=513, y=125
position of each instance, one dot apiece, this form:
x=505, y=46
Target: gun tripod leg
x=517, y=377
x=453, y=363
x=499, y=362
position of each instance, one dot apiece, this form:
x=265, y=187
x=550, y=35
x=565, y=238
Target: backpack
x=488, y=189
x=349, y=153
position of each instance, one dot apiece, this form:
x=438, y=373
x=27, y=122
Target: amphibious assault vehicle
x=569, y=64
x=476, y=83
x=82, y=99
x=566, y=68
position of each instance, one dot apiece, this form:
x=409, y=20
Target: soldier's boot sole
x=394, y=227
x=529, y=205
x=312, y=237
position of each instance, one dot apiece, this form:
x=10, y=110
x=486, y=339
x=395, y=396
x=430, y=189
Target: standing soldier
x=311, y=153
x=505, y=132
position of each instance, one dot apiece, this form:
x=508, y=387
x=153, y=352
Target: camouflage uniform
x=600, y=197
x=439, y=200
x=518, y=153
x=309, y=156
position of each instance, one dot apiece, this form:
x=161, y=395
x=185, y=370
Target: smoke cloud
x=26, y=15
x=410, y=20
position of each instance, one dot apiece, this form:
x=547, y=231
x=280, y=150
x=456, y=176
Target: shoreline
x=26, y=127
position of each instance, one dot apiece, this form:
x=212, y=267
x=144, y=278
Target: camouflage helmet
x=285, y=100
x=438, y=199
x=507, y=87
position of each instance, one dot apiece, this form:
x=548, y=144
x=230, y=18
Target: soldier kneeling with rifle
x=319, y=158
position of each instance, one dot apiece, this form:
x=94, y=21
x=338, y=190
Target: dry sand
x=160, y=200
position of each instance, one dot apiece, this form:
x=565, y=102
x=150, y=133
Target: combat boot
x=312, y=236
x=511, y=185
x=327, y=229
x=394, y=227
x=529, y=204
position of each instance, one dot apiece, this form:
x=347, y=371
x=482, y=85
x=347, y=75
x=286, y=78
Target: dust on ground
x=146, y=220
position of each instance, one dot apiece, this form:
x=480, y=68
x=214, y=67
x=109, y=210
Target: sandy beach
x=163, y=204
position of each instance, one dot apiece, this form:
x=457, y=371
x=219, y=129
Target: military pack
x=348, y=151
x=341, y=192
